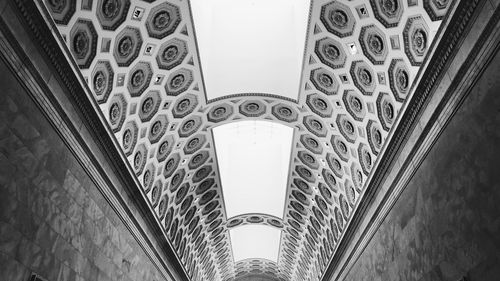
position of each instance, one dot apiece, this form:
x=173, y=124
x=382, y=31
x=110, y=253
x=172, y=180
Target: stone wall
x=446, y=224
x=53, y=219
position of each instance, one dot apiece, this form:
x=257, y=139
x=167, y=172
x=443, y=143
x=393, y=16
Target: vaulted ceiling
x=141, y=62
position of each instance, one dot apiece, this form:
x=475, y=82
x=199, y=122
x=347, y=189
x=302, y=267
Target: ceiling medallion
x=324, y=81
x=436, y=9
x=165, y=148
x=117, y=112
x=416, y=39
x=354, y=104
x=330, y=52
x=139, y=78
x=319, y=105
x=387, y=12
x=375, y=138
x=399, y=79
x=163, y=20
x=184, y=105
x=252, y=108
x=386, y=110
x=338, y=19
x=83, y=42
x=171, y=54
x=127, y=46
x=363, y=77
x=373, y=43
x=284, y=113
x=112, y=13
x=102, y=81
x=179, y=81
x=220, y=113
x=129, y=137
x=61, y=10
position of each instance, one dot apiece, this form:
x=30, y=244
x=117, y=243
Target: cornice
x=408, y=138
x=70, y=126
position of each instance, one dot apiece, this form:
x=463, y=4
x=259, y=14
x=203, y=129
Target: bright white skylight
x=251, y=46
x=255, y=241
x=253, y=157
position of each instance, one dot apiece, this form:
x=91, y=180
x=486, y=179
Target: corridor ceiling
x=141, y=61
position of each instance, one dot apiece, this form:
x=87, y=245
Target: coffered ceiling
x=141, y=61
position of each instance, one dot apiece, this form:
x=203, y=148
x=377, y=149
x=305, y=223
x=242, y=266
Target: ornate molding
x=120, y=187
x=409, y=142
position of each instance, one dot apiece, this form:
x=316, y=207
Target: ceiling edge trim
x=432, y=105
x=80, y=129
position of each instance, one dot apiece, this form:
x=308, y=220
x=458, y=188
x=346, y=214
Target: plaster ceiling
x=141, y=62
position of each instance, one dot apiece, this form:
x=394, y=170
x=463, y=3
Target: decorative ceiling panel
x=140, y=61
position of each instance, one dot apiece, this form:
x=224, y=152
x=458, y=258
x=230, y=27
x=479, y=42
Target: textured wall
x=53, y=220
x=446, y=224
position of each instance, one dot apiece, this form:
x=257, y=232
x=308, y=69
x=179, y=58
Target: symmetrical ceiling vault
x=141, y=63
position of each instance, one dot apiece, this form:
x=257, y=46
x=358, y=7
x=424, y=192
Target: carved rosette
x=311, y=143
x=189, y=126
x=127, y=46
x=365, y=158
x=374, y=44
x=416, y=40
x=308, y=159
x=117, y=112
x=102, y=81
x=139, y=78
x=356, y=176
x=338, y=19
x=340, y=147
x=354, y=104
x=386, y=110
x=324, y=81
x=284, y=113
x=347, y=128
x=330, y=52
x=139, y=159
x=363, y=77
x=129, y=137
x=375, y=137
x=184, y=106
x=335, y=165
x=437, y=9
x=83, y=42
x=220, y=113
x=61, y=10
x=387, y=12
x=178, y=81
x=149, y=105
x=165, y=147
x=315, y=126
x=198, y=159
x=171, y=54
x=194, y=144
x=319, y=105
x=157, y=128
x=399, y=79
x=252, y=108
x=163, y=20
x=171, y=165
x=112, y=13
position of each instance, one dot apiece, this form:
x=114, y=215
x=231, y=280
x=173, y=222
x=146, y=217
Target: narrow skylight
x=251, y=46
x=253, y=157
x=255, y=241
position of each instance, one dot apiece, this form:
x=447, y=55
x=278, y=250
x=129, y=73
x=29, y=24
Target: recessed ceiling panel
x=255, y=242
x=251, y=46
x=253, y=157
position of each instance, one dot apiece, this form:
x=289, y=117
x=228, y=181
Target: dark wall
x=446, y=224
x=53, y=220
